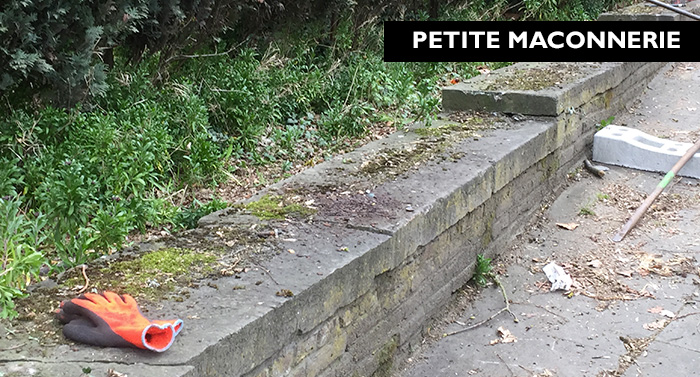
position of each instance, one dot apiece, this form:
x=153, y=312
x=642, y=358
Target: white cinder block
x=624, y=146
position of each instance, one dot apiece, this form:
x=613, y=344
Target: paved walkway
x=633, y=310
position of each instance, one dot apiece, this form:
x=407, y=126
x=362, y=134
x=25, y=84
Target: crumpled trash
x=558, y=277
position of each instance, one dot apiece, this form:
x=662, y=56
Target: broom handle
x=657, y=191
x=675, y=9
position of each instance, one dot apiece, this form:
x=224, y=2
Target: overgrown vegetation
x=116, y=116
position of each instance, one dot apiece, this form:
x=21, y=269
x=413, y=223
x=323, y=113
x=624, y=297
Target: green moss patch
x=152, y=275
x=275, y=207
x=157, y=272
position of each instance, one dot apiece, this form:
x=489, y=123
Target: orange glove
x=111, y=320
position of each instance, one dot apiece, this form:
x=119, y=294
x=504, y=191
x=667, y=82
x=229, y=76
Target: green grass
x=586, y=211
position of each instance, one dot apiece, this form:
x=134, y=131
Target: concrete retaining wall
x=389, y=246
x=376, y=306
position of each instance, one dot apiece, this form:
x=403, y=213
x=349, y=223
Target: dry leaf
x=505, y=337
x=667, y=313
x=484, y=70
x=650, y=263
x=568, y=226
x=113, y=373
x=595, y=263
x=625, y=273
x=655, y=310
x=656, y=325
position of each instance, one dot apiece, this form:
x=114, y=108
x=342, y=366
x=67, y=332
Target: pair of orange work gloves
x=112, y=320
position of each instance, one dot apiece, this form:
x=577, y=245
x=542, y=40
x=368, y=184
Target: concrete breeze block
x=628, y=147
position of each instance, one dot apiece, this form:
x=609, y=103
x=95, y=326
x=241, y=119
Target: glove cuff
x=175, y=323
x=159, y=337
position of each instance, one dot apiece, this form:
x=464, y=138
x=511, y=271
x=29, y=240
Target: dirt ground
x=632, y=309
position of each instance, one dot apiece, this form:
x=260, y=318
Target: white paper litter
x=557, y=276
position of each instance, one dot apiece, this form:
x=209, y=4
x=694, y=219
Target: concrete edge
x=491, y=92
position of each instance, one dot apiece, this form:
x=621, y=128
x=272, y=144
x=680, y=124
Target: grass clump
x=483, y=271
x=586, y=211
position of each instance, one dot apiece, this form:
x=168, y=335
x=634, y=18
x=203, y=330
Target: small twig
x=685, y=315
x=505, y=296
x=525, y=369
x=494, y=315
x=182, y=57
x=218, y=90
x=267, y=272
x=231, y=177
x=476, y=324
x=137, y=102
x=506, y=364
x=87, y=281
x=352, y=89
x=545, y=309
x=13, y=347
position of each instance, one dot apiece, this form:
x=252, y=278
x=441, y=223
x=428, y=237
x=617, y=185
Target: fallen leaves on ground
x=656, y=325
x=654, y=263
x=505, y=336
x=595, y=263
x=284, y=293
x=568, y=226
x=662, y=311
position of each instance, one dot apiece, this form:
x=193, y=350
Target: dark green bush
x=50, y=48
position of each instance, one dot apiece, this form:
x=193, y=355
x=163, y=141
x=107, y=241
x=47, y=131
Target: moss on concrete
x=152, y=275
x=433, y=144
x=487, y=236
x=275, y=207
x=549, y=166
x=535, y=78
x=385, y=357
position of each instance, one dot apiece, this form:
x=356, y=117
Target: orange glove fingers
x=129, y=301
x=97, y=299
x=113, y=298
x=70, y=310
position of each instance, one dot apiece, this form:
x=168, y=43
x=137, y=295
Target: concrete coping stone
x=229, y=331
x=632, y=148
x=547, y=89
